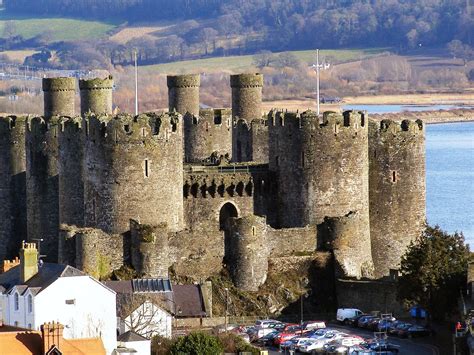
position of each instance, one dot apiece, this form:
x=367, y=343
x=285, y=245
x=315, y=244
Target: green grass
x=61, y=29
x=245, y=62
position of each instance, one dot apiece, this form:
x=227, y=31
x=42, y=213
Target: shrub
x=197, y=344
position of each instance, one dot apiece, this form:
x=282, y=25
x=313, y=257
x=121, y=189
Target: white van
x=346, y=313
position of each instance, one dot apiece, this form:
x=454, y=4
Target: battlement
x=12, y=123
x=97, y=83
x=388, y=127
x=144, y=128
x=310, y=120
x=70, y=125
x=59, y=84
x=214, y=116
x=183, y=81
x=246, y=80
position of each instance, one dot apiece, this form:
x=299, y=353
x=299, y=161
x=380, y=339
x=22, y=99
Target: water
x=450, y=177
x=401, y=108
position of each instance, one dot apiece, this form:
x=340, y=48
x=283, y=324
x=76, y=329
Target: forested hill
x=289, y=23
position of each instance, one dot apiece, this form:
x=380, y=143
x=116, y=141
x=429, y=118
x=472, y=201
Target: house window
x=29, y=326
x=17, y=301
x=30, y=304
x=146, y=168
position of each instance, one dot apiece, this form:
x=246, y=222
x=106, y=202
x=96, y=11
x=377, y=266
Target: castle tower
x=59, y=96
x=133, y=169
x=248, y=262
x=71, y=186
x=207, y=134
x=12, y=185
x=397, y=189
x=183, y=93
x=150, y=249
x=247, y=96
x=42, y=183
x=96, y=95
x=322, y=169
x=250, y=141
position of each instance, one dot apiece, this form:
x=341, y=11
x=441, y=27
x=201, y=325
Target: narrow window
x=394, y=176
x=277, y=161
x=17, y=301
x=302, y=159
x=30, y=304
x=143, y=132
x=375, y=154
x=253, y=231
x=147, y=168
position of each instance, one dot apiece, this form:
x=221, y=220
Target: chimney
x=10, y=264
x=28, y=261
x=52, y=334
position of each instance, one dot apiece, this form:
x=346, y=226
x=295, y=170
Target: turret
x=206, y=135
x=96, y=95
x=250, y=141
x=246, y=96
x=248, y=259
x=133, y=169
x=397, y=189
x=12, y=185
x=59, y=97
x=183, y=93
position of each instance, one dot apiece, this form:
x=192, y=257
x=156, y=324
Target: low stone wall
x=290, y=241
x=369, y=296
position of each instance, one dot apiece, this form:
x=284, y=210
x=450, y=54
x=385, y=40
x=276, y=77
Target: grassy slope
x=242, y=63
x=60, y=28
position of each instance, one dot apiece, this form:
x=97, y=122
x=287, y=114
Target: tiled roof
x=47, y=274
x=130, y=336
x=31, y=343
x=189, y=302
x=156, y=285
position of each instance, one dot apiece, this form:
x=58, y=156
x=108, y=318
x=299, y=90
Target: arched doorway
x=227, y=211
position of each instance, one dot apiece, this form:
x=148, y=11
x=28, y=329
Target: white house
x=32, y=294
x=130, y=343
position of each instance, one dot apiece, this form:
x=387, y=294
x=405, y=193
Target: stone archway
x=228, y=210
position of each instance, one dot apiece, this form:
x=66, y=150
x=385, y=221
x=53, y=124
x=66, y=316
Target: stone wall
x=291, y=241
x=12, y=185
x=369, y=296
x=397, y=189
x=250, y=141
x=42, y=183
x=208, y=134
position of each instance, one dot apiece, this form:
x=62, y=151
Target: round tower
x=150, y=249
x=133, y=169
x=247, y=96
x=96, y=95
x=322, y=170
x=12, y=185
x=59, y=96
x=248, y=262
x=208, y=134
x=71, y=186
x=42, y=183
x=397, y=189
x=342, y=235
x=183, y=93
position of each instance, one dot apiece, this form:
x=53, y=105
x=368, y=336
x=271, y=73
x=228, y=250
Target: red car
x=282, y=337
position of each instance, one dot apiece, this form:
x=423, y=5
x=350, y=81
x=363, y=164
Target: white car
x=316, y=345
x=266, y=323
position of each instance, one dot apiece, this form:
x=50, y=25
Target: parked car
x=346, y=313
x=363, y=321
x=373, y=323
x=414, y=331
x=393, y=328
x=282, y=337
x=402, y=329
x=342, y=346
x=317, y=344
x=267, y=339
x=384, y=348
x=257, y=333
x=314, y=324
x=354, y=320
x=266, y=323
x=384, y=325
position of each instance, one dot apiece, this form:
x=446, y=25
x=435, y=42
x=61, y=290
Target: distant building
x=47, y=341
x=33, y=293
x=131, y=343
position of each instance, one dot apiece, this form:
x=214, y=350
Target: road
x=407, y=346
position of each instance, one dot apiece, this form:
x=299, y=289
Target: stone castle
x=193, y=190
